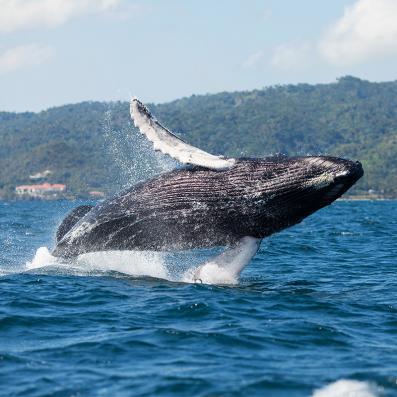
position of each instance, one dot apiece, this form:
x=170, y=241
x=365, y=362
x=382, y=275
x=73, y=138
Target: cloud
x=24, y=56
x=26, y=14
x=253, y=60
x=292, y=55
x=367, y=29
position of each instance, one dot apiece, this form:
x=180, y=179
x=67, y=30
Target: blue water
x=317, y=305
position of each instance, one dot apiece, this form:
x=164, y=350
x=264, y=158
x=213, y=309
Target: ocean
x=314, y=313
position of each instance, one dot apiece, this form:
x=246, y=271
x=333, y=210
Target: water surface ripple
x=316, y=305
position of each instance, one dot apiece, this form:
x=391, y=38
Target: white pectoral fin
x=168, y=143
x=226, y=267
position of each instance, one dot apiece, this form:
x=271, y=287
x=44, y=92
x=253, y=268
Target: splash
x=348, y=388
x=174, y=267
x=132, y=153
x=133, y=263
x=42, y=258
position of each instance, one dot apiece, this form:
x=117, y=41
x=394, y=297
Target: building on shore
x=46, y=191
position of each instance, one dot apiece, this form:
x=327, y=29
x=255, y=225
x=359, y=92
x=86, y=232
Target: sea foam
x=136, y=264
x=348, y=388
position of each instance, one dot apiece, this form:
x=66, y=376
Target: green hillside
x=92, y=146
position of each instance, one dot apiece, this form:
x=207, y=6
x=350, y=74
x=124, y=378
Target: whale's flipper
x=71, y=219
x=226, y=267
x=168, y=143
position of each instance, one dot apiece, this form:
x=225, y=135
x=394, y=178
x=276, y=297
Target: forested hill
x=84, y=145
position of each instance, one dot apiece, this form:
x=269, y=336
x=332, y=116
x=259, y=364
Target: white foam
x=134, y=263
x=348, y=388
x=141, y=263
x=42, y=258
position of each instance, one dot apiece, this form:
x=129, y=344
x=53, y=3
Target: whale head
x=327, y=178
x=292, y=188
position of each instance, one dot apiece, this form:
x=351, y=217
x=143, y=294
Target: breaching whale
x=212, y=201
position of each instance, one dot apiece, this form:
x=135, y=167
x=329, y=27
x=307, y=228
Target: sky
x=54, y=52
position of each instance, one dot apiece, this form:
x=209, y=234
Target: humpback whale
x=211, y=201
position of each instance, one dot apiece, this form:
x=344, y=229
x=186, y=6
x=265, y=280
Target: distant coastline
x=92, y=147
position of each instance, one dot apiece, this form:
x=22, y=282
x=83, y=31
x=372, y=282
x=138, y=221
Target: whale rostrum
x=214, y=201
